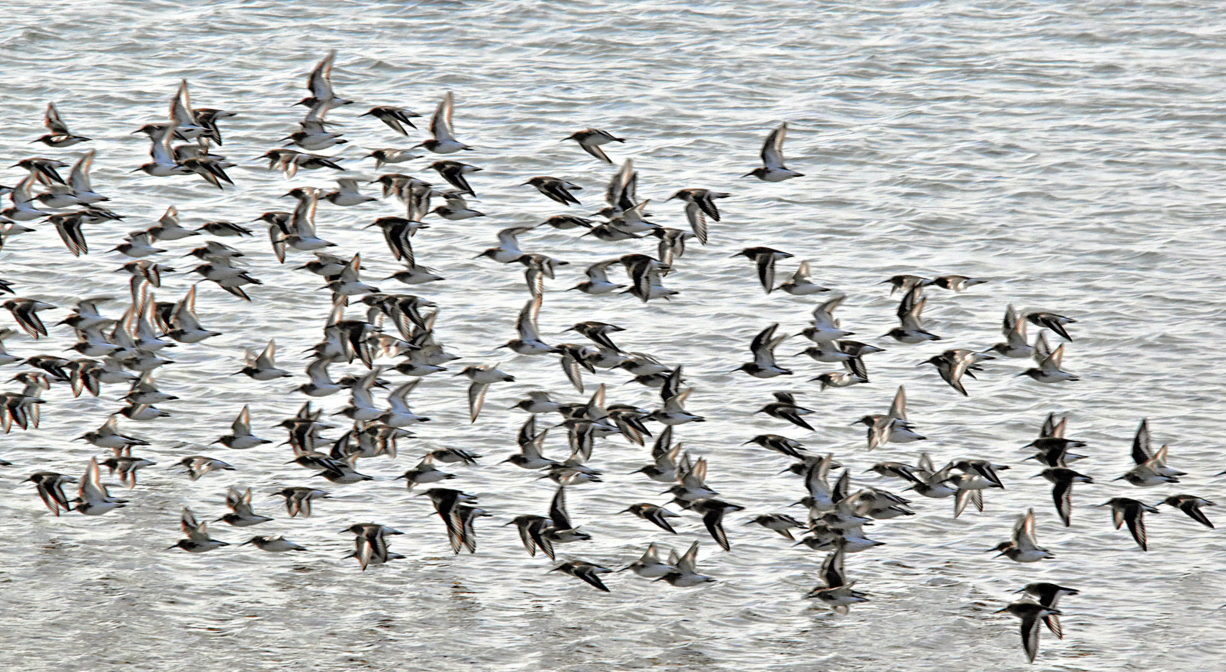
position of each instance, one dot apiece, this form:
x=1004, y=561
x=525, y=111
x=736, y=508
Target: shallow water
x=1069, y=154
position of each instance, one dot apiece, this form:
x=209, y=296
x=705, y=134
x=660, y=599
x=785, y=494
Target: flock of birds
x=391, y=336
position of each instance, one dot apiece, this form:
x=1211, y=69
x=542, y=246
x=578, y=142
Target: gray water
x=1068, y=153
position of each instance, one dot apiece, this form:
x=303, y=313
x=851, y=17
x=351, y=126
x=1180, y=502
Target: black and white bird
x=590, y=139
x=772, y=169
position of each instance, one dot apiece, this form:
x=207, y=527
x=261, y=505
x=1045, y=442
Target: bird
x=836, y=591
x=1022, y=546
x=198, y=539
x=370, y=544
x=1151, y=467
x=482, y=377
x=456, y=207
x=772, y=169
x=298, y=499
x=685, y=570
x=891, y=426
x=447, y=504
x=347, y=193
x=263, y=366
x=1051, y=321
x=764, y=258
x=25, y=311
x=779, y=444
x=561, y=529
x=656, y=515
x=443, y=140
x=784, y=407
x=585, y=571
x=590, y=139
x=1062, y=480
x=1030, y=613
x=1049, y=370
x=763, y=349
x=1049, y=595
x=453, y=172
x=241, y=437
x=712, y=511
x=93, y=499
x=396, y=118
x=954, y=364
x=555, y=189
x=956, y=283
x=50, y=487
x=273, y=544
x=1131, y=511
x=1014, y=330
x=699, y=205
x=911, y=329
x=241, y=514
x=779, y=522
x=649, y=565
x=59, y=135
x=424, y=472
x=826, y=327
x=801, y=283
x=1191, y=505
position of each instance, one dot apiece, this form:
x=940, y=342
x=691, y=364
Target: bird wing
x=526, y=324
x=52, y=121
x=267, y=359
x=698, y=221
x=1140, y=443
x=440, y=123
x=78, y=179
x=242, y=424
x=898, y=409
x=772, y=149
x=320, y=80
x=1030, y=637
x=476, y=398
x=595, y=151
x=557, y=510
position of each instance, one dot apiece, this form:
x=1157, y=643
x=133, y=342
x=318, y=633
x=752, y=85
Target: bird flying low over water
x=590, y=139
x=772, y=169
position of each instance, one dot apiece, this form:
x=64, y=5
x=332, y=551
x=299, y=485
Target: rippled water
x=1070, y=153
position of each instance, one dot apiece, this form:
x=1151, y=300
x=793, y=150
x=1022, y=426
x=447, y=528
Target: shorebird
x=649, y=565
x=1052, y=321
x=764, y=258
x=772, y=169
x=685, y=571
x=1022, y=546
x=482, y=377
x=836, y=591
x=953, y=364
x=1049, y=595
x=1131, y=511
x=444, y=141
x=590, y=139
x=241, y=514
x=59, y=135
x=198, y=539
x=1062, y=480
x=586, y=571
x=699, y=205
x=763, y=349
x=911, y=329
x=396, y=118
x=1030, y=613
x=555, y=189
